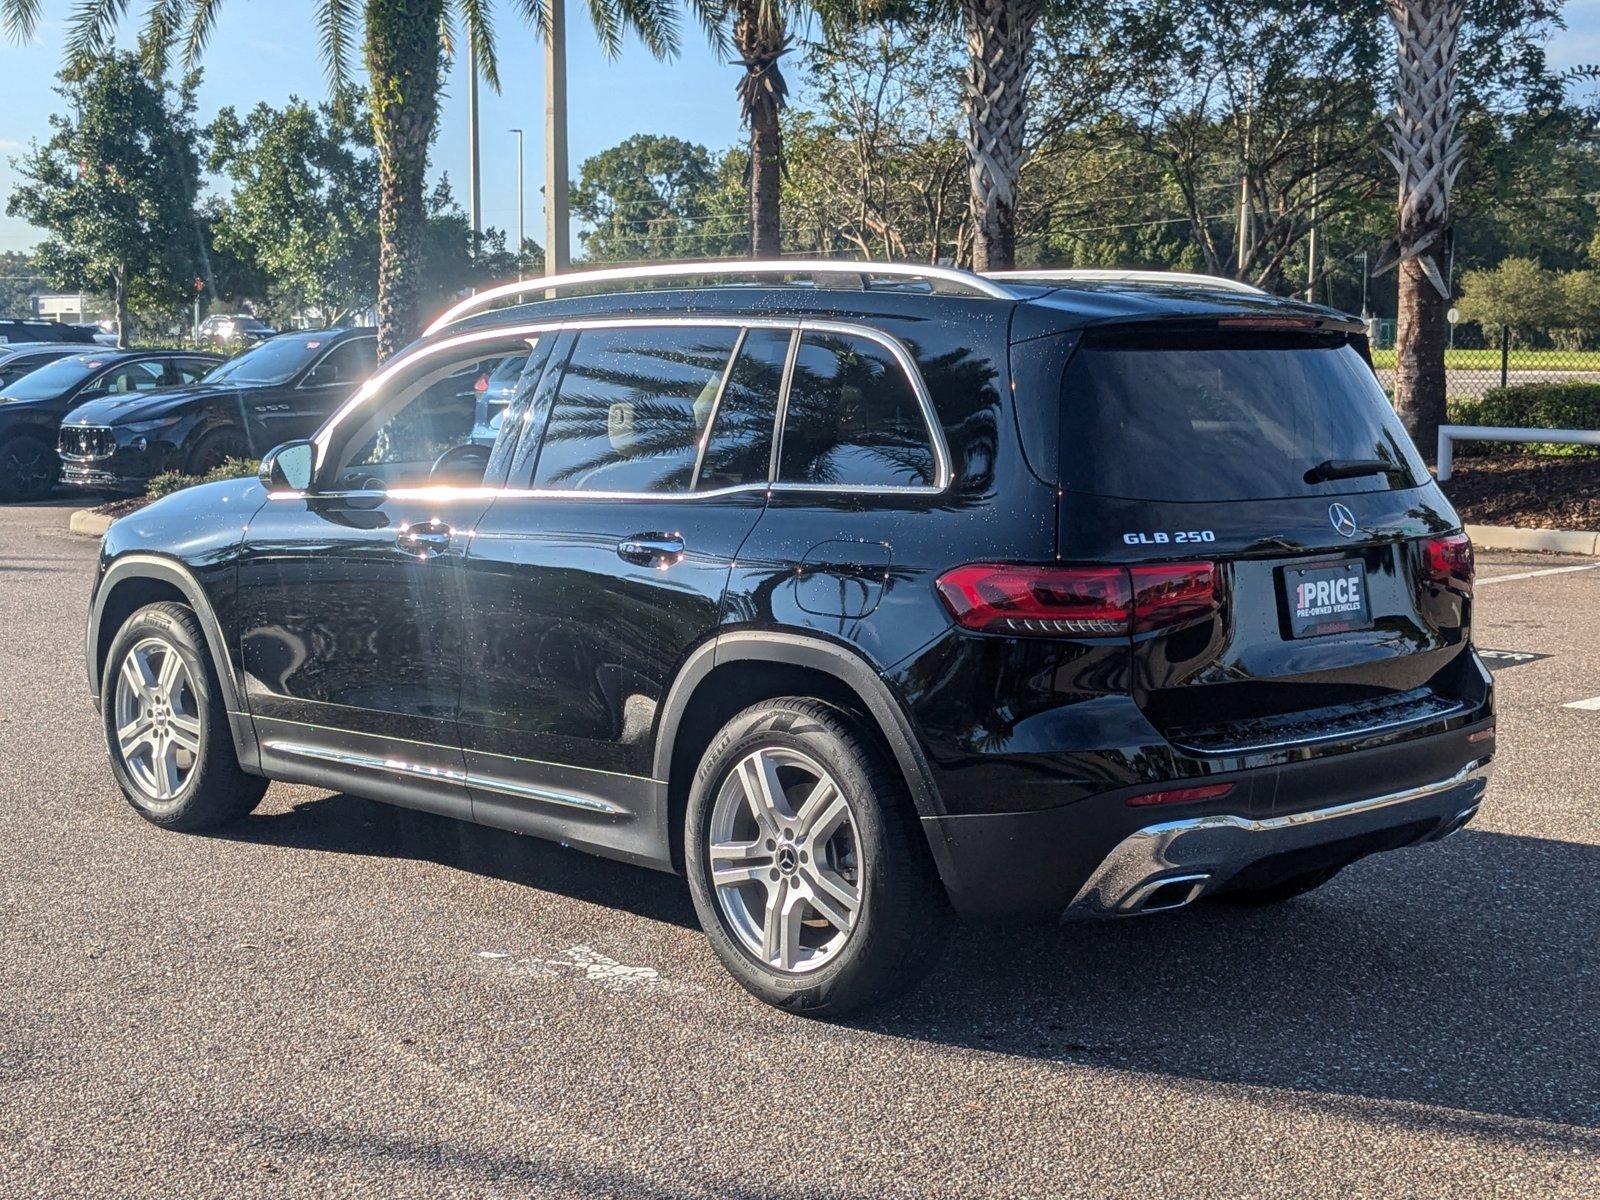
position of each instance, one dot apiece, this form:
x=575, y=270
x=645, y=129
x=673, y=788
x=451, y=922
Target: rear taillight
x=1003, y=598
x=1447, y=562
x=1078, y=601
x=482, y=385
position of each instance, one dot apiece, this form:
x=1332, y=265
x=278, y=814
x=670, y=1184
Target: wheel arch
x=730, y=672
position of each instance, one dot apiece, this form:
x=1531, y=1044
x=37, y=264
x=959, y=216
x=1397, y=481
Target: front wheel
x=165, y=725
x=29, y=467
x=808, y=867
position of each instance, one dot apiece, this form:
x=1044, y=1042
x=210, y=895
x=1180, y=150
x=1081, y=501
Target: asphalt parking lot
x=339, y=998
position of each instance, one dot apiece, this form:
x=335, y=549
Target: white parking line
x=1592, y=704
x=1536, y=574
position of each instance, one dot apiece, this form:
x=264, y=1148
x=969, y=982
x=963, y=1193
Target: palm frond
x=337, y=19
x=161, y=21
x=21, y=18
x=91, y=26
x=478, y=18
x=202, y=20
x=537, y=14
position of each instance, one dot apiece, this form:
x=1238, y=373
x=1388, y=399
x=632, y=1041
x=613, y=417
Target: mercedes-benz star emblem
x=1342, y=520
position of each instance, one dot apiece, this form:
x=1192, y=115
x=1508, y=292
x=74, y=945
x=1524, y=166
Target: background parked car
x=31, y=408
x=24, y=329
x=279, y=390
x=232, y=329
x=23, y=358
x=495, y=387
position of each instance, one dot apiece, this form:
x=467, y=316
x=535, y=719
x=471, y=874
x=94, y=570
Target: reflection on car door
x=603, y=566
x=350, y=621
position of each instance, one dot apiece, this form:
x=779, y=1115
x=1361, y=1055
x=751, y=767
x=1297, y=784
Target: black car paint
x=532, y=652
x=262, y=415
x=42, y=418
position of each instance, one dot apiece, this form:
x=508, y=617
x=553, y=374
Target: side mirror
x=288, y=468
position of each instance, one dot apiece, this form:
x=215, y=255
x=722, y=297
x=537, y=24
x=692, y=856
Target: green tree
x=20, y=278
x=1519, y=294
x=303, y=203
x=403, y=46
x=114, y=189
x=653, y=197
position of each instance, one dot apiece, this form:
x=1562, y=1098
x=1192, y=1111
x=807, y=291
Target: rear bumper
x=1101, y=857
x=1174, y=863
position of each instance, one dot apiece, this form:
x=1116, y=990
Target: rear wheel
x=808, y=867
x=29, y=467
x=1283, y=889
x=216, y=448
x=171, y=751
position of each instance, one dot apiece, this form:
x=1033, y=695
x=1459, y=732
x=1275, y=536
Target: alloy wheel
x=785, y=859
x=158, y=720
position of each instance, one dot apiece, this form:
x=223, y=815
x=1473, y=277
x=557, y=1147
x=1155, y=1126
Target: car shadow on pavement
x=350, y=825
x=1464, y=976
x=1460, y=980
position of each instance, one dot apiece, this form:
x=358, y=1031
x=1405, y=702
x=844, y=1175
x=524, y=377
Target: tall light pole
x=474, y=186
x=557, y=251
x=520, y=237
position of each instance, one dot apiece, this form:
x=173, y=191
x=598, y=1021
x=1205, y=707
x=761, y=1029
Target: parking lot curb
x=1551, y=541
x=88, y=523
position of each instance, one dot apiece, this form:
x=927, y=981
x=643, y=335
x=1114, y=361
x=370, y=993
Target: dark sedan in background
x=24, y=358
x=32, y=407
x=278, y=391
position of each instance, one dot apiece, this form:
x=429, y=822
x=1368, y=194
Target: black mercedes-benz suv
x=280, y=389
x=858, y=593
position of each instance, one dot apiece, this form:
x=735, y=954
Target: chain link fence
x=1481, y=361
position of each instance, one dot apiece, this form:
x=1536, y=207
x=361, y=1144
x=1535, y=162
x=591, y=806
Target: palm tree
x=760, y=38
x=1000, y=37
x=404, y=45
x=1427, y=154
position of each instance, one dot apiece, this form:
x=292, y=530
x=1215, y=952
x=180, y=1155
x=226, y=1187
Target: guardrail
x=1450, y=434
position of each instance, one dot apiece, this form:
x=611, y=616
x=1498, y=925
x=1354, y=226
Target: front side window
x=852, y=418
x=348, y=362
x=631, y=409
x=131, y=377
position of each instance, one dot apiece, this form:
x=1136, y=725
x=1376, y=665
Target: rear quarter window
x=1208, y=418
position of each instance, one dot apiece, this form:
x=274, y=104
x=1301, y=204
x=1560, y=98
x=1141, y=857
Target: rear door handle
x=651, y=549
x=425, y=539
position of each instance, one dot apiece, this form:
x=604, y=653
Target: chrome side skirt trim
x=488, y=783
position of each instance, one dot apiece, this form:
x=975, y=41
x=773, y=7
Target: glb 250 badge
x=1177, y=537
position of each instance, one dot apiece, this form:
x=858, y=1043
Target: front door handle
x=651, y=549
x=425, y=538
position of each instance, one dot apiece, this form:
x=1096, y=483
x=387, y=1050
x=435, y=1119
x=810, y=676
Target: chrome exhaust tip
x=1164, y=895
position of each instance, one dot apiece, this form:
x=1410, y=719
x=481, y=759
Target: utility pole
x=474, y=186
x=1316, y=205
x=520, y=236
x=557, y=250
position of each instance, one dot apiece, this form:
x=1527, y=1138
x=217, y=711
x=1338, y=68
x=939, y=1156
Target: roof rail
x=819, y=268
x=1091, y=275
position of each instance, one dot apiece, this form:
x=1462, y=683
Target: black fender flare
x=170, y=571
x=844, y=663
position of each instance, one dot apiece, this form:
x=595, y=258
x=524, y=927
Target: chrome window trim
x=944, y=473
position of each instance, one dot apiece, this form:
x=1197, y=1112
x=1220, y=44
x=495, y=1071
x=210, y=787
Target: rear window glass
x=1242, y=418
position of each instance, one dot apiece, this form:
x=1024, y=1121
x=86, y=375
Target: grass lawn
x=1521, y=360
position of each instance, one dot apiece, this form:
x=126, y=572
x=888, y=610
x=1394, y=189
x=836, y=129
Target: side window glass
x=349, y=362
x=134, y=377
x=631, y=409
x=852, y=418
x=408, y=444
x=738, y=449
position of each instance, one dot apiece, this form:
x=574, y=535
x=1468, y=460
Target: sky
x=258, y=53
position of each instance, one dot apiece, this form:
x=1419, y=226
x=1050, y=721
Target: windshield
x=277, y=360
x=1202, y=418
x=60, y=376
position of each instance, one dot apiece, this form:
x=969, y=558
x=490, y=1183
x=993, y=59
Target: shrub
x=1535, y=406
x=168, y=482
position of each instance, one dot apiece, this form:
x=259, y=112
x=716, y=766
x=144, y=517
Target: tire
x=215, y=448
x=1276, y=893
x=872, y=849
x=29, y=467
x=176, y=709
